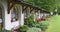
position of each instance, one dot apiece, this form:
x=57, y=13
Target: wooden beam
x=24, y=8
x=31, y=9
x=10, y=5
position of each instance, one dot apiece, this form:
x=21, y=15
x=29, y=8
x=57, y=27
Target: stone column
x=39, y=13
x=21, y=17
x=34, y=16
x=33, y=12
x=28, y=11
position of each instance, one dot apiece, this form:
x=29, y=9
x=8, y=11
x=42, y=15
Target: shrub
x=4, y=31
x=29, y=21
x=44, y=25
x=24, y=28
x=34, y=30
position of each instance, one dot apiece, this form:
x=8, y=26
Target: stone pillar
x=34, y=16
x=39, y=13
x=21, y=15
x=33, y=12
x=6, y=15
x=28, y=11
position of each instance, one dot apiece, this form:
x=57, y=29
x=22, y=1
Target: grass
x=54, y=24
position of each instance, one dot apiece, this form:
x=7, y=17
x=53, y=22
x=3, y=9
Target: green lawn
x=54, y=24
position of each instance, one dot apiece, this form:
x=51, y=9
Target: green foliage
x=34, y=30
x=44, y=25
x=24, y=28
x=58, y=10
x=30, y=21
x=4, y=31
x=49, y=5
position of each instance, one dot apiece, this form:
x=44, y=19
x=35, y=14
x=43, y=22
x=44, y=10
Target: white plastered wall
x=7, y=17
x=21, y=16
x=8, y=24
x=6, y=21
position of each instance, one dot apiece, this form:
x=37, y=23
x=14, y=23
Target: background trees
x=49, y=5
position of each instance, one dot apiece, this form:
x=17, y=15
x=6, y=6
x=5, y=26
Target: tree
x=49, y=5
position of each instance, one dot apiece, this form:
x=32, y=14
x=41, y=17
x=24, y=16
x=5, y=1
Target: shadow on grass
x=4, y=31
